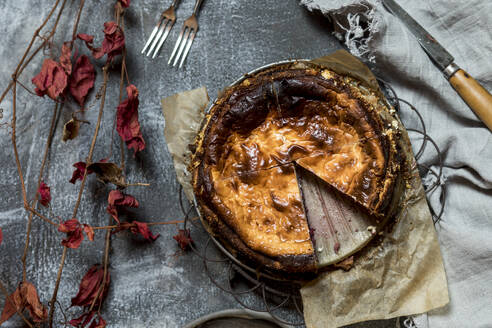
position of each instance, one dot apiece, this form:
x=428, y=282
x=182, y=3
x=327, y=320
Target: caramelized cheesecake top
x=257, y=130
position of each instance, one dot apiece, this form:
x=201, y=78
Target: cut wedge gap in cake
x=339, y=226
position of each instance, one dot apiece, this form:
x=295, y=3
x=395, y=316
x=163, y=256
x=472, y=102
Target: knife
x=472, y=92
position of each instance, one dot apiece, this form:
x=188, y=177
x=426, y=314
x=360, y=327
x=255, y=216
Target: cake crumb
x=326, y=74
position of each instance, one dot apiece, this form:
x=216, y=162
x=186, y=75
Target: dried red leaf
x=24, y=297
x=36, y=309
x=143, y=229
x=82, y=79
x=112, y=45
x=12, y=303
x=89, y=232
x=108, y=172
x=80, y=167
x=73, y=230
x=89, y=39
x=125, y=3
x=52, y=80
x=70, y=130
x=117, y=199
x=68, y=226
x=114, y=40
x=85, y=37
x=89, y=287
x=183, y=238
x=78, y=174
x=44, y=194
x=65, y=61
x=127, y=123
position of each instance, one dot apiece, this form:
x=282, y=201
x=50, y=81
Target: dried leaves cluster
x=71, y=77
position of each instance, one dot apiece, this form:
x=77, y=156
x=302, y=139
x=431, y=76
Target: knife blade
x=474, y=94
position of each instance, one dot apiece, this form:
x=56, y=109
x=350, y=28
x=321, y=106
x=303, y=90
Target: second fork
x=186, y=37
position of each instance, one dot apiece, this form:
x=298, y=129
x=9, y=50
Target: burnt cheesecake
x=257, y=131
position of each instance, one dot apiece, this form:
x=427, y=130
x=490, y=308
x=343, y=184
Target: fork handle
x=198, y=3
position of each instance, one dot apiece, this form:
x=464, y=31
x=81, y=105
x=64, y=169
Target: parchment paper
x=402, y=275
x=183, y=114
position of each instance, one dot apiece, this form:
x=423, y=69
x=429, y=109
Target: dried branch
x=109, y=227
x=57, y=285
x=29, y=54
x=36, y=197
x=105, y=264
x=82, y=184
x=77, y=20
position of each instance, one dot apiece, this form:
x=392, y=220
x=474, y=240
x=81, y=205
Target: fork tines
x=185, y=39
x=161, y=31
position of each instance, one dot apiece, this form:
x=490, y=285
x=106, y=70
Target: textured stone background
x=152, y=285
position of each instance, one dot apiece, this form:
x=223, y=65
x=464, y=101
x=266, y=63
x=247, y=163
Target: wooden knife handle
x=472, y=92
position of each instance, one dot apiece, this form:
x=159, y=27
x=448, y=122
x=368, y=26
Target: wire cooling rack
x=263, y=293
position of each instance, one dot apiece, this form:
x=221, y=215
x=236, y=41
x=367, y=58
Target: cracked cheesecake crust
x=243, y=174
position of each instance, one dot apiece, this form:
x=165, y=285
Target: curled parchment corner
x=183, y=114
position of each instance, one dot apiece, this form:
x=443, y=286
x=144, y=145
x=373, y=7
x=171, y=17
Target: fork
x=164, y=26
x=189, y=29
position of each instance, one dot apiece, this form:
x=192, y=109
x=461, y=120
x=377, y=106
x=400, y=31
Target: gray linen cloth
x=464, y=28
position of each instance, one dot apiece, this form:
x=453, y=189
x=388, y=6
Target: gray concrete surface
x=153, y=285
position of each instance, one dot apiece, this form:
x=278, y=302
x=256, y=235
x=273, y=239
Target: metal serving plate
x=237, y=318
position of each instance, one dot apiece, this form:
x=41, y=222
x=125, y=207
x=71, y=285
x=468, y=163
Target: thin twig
x=36, y=33
x=41, y=216
x=109, y=227
x=105, y=264
x=53, y=223
x=26, y=88
x=36, y=197
x=94, y=138
x=14, y=143
x=107, y=244
x=77, y=20
x=142, y=184
x=57, y=285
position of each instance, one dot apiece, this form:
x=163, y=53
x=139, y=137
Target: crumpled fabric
x=370, y=32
